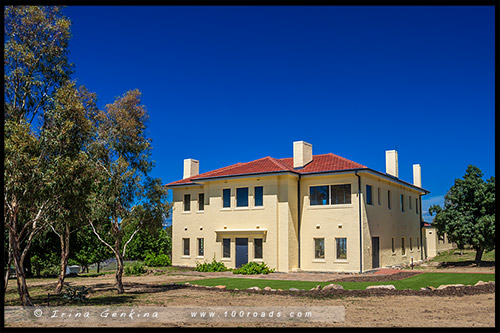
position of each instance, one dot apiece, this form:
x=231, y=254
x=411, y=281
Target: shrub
x=136, y=268
x=157, y=260
x=213, y=266
x=75, y=293
x=253, y=268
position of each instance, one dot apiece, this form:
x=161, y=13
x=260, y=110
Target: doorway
x=375, y=252
x=241, y=251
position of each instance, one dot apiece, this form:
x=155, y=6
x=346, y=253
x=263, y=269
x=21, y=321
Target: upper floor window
x=389, y=199
x=402, y=202
x=187, y=202
x=226, y=197
x=409, y=202
x=369, y=200
x=201, y=201
x=258, y=196
x=416, y=205
x=242, y=197
x=330, y=195
x=379, y=197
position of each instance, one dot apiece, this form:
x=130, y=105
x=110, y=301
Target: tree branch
x=102, y=240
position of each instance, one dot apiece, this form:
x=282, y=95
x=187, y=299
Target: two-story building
x=308, y=212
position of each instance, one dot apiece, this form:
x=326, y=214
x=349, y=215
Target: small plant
x=253, y=268
x=136, y=268
x=213, y=266
x=157, y=260
x=75, y=294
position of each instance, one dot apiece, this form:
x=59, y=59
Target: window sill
x=340, y=206
x=200, y=257
x=341, y=261
x=186, y=212
x=186, y=257
x=319, y=260
x=200, y=212
x=242, y=208
x=226, y=259
x=258, y=208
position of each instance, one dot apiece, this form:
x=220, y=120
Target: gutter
x=360, y=224
x=421, y=226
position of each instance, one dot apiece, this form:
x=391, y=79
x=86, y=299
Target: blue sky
x=234, y=84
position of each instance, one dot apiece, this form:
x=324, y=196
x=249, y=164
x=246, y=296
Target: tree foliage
x=468, y=215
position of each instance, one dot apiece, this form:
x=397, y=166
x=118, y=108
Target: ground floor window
x=201, y=247
x=226, y=247
x=411, y=245
x=403, y=246
x=185, y=242
x=393, y=245
x=341, y=248
x=418, y=243
x=257, y=245
x=319, y=248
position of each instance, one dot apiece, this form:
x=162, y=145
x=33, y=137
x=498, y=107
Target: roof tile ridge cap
x=346, y=159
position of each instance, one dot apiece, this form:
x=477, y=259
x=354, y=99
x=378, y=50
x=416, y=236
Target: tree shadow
x=466, y=263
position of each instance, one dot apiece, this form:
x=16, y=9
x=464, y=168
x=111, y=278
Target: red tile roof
x=320, y=163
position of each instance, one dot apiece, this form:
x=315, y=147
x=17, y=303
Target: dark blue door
x=241, y=251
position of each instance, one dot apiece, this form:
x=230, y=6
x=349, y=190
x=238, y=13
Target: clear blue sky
x=234, y=84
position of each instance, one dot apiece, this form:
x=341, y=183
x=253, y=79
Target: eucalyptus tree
x=68, y=130
x=124, y=194
x=468, y=214
x=35, y=66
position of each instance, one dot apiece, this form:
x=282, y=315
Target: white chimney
x=191, y=168
x=417, y=175
x=302, y=153
x=391, y=162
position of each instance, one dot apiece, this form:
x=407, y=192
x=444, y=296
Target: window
x=369, y=195
x=257, y=245
x=418, y=243
x=318, y=195
x=393, y=246
x=389, y=199
x=402, y=202
x=330, y=195
x=185, y=242
x=403, y=247
x=242, y=197
x=411, y=245
x=378, y=197
x=226, y=248
x=201, y=247
x=416, y=205
x=226, y=197
x=341, y=248
x=187, y=202
x=201, y=201
x=409, y=202
x=340, y=194
x=258, y=196
x=319, y=248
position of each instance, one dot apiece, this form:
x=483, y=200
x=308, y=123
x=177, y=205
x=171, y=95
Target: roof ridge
x=279, y=163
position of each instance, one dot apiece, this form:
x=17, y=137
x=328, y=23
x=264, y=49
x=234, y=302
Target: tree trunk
x=479, y=255
x=98, y=266
x=7, y=274
x=119, y=274
x=22, y=287
x=64, y=237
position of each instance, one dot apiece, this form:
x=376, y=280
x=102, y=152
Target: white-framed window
x=187, y=202
x=341, y=248
x=201, y=202
x=319, y=248
x=330, y=195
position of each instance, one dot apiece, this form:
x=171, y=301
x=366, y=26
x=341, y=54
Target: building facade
x=308, y=212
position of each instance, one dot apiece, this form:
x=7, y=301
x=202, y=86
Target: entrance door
x=375, y=254
x=241, y=251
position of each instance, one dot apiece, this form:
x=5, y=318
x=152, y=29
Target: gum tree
x=468, y=214
x=124, y=195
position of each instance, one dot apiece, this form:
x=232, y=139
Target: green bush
x=73, y=294
x=157, y=260
x=213, y=266
x=136, y=268
x=253, y=268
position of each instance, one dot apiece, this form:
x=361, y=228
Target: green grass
x=415, y=282
x=454, y=255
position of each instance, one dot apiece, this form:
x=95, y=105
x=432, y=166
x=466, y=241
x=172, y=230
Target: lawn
x=454, y=255
x=415, y=282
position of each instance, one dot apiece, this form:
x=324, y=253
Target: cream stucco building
x=308, y=212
